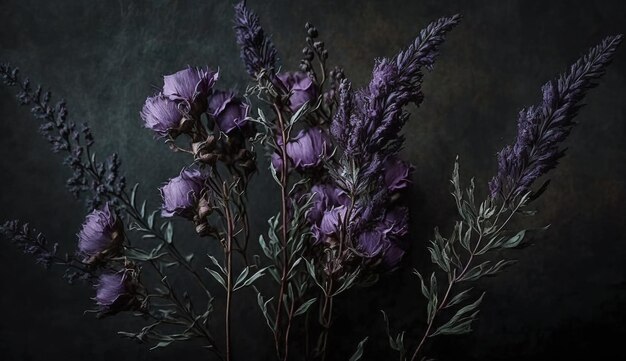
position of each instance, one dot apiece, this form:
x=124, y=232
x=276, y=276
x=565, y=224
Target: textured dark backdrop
x=567, y=295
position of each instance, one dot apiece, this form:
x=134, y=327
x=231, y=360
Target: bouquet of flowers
x=333, y=152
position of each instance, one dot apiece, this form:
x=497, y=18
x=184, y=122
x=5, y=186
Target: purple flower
x=371, y=243
x=325, y=196
x=542, y=128
x=329, y=225
x=161, y=115
x=101, y=233
x=397, y=174
x=110, y=288
x=392, y=256
x=229, y=111
x=181, y=194
x=301, y=89
x=395, y=223
x=306, y=151
x=257, y=51
x=189, y=84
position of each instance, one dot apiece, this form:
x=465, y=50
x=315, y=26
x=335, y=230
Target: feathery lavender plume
x=257, y=50
x=543, y=127
x=30, y=242
x=377, y=116
x=367, y=123
x=101, y=179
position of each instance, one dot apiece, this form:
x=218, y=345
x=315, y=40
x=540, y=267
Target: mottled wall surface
x=567, y=295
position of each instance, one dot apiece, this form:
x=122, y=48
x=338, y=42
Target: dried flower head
x=101, y=234
x=181, y=194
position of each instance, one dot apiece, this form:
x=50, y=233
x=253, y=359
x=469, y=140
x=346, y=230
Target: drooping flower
x=181, y=194
x=542, y=128
x=101, y=234
x=189, y=85
x=161, y=115
x=229, y=111
x=300, y=87
x=306, y=151
x=397, y=174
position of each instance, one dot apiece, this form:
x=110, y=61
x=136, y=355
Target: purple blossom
x=542, y=128
x=397, y=174
x=229, y=111
x=371, y=243
x=189, y=84
x=301, y=89
x=330, y=224
x=306, y=151
x=325, y=196
x=161, y=115
x=181, y=194
x=112, y=292
x=257, y=50
x=101, y=233
x=392, y=256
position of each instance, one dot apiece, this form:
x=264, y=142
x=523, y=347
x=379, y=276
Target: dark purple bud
x=101, y=234
x=229, y=111
x=397, y=174
x=301, y=89
x=161, y=115
x=181, y=194
x=189, y=84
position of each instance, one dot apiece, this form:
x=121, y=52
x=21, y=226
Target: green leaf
x=515, y=240
x=359, y=350
x=461, y=321
x=218, y=277
x=305, y=306
x=169, y=233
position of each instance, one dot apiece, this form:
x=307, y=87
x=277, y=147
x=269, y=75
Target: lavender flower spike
x=101, y=234
x=543, y=127
x=257, y=50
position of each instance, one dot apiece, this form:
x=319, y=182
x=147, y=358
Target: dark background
x=567, y=296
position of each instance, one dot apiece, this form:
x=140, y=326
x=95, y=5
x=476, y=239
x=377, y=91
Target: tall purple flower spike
x=100, y=233
x=542, y=128
x=257, y=50
x=161, y=115
x=181, y=194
